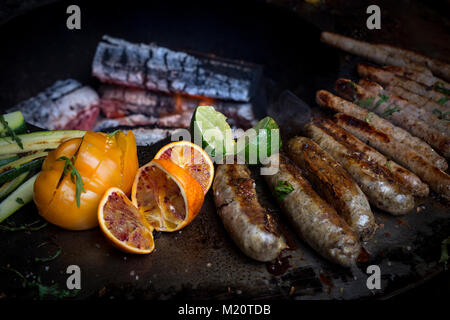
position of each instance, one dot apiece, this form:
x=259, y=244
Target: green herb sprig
x=44, y=290
x=282, y=189
x=439, y=86
x=10, y=131
x=368, y=116
x=442, y=115
x=383, y=99
x=444, y=252
x=391, y=111
x=366, y=103
x=25, y=227
x=443, y=100
x=74, y=176
x=112, y=134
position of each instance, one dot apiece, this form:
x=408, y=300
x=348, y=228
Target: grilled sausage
x=405, y=178
x=425, y=78
x=315, y=221
x=386, y=77
x=406, y=115
x=337, y=104
x=334, y=184
x=374, y=180
x=424, y=103
x=437, y=179
x=387, y=55
x=250, y=226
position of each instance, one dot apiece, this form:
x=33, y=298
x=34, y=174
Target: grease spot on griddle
x=363, y=256
x=279, y=266
x=326, y=280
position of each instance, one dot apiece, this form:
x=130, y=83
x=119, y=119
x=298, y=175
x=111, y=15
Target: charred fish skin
x=66, y=104
x=250, y=226
x=334, y=184
x=314, y=220
x=374, y=180
x=437, y=179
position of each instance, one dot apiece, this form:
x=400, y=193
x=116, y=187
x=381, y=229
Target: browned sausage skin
x=334, y=184
x=374, y=180
x=437, y=179
x=313, y=218
x=250, y=226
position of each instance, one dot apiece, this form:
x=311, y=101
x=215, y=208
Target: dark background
x=421, y=25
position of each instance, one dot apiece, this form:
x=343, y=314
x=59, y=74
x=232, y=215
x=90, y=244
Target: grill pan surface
x=199, y=262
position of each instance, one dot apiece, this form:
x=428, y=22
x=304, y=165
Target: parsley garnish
x=43, y=290
x=11, y=132
x=282, y=189
x=368, y=116
x=388, y=165
x=383, y=99
x=74, y=176
x=20, y=201
x=443, y=100
x=390, y=111
x=444, y=252
x=26, y=227
x=366, y=103
x=442, y=115
x=50, y=258
x=439, y=86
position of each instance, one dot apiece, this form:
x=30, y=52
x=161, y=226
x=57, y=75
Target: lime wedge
x=212, y=132
x=259, y=142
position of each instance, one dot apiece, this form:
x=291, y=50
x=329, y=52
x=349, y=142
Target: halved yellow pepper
x=103, y=162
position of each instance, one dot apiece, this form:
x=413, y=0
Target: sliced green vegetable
x=211, y=130
x=10, y=186
x=39, y=140
x=8, y=159
x=15, y=121
x=256, y=143
x=24, y=192
x=28, y=163
x=32, y=165
x=20, y=161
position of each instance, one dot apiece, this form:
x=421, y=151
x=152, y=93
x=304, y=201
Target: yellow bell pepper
x=103, y=161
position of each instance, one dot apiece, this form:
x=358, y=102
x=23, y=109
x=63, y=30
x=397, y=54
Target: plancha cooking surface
x=200, y=261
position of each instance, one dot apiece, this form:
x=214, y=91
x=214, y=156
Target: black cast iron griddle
x=200, y=261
